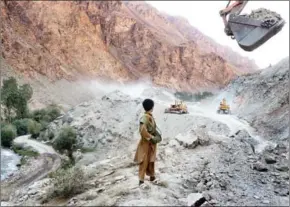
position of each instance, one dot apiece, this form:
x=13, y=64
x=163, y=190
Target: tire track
x=49, y=159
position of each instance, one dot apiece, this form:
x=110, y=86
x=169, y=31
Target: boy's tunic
x=146, y=151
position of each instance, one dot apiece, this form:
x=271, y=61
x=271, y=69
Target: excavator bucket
x=250, y=33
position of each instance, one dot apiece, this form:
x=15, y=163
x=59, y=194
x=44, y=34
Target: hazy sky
x=204, y=15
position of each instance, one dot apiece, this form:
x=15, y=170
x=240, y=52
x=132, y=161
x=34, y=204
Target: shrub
x=25, y=152
x=34, y=129
x=46, y=115
x=38, y=114
x=22, y=126
x=66, y=141
x=65, y=164
x=27, y=126
x=68, y=182
x=46, y=135
x=53, y=112
x=44, y=125
x=8, y=133
x=46, y=118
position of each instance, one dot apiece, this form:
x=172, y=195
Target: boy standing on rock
x=146, y=151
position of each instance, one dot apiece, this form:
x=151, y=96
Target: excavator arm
x=235, y=8
x=250, y=31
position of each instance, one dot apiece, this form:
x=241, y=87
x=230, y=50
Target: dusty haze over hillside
x=121, y=41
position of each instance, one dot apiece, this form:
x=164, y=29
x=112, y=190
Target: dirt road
x=38, y=146
x=48, y=161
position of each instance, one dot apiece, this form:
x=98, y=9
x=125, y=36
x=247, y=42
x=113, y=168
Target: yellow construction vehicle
x=224, y=108
x=177, y=108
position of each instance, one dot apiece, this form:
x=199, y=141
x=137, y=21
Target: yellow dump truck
x=178, y=108
x=224, y=108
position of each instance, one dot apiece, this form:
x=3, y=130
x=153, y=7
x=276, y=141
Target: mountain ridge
x=121, y=41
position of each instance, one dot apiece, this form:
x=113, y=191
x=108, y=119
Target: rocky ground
x=204, y=158
x=263, y=100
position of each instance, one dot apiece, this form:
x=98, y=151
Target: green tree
x=21, y=106
x=22, y=126
x=66, y=141
x=27, y=91
x=8, y=133
x=15, y=98
x=9, y=96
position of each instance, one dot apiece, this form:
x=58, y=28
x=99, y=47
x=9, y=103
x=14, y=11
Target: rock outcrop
x=111, y=40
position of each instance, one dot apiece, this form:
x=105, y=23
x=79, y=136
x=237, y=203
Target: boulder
x=194, y=199
x=283, y=168
x=206, y=204
x=270, y=159
x=67, y=118
x=187, y=140
x=260, y=167
x=192, y=139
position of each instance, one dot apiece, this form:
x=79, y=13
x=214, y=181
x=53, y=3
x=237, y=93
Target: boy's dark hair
x=148, y=104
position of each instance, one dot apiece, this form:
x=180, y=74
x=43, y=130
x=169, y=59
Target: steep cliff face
x=56, y=39
x=208, y=45
x=116, y=40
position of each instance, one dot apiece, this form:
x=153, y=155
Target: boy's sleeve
x=143, y=128
x=143, y=120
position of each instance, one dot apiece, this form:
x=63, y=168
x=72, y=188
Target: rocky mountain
x=111, y=40
x=208, y=45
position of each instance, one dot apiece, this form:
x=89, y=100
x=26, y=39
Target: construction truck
x=178, y=108
x=250, y=31
x=224, y=108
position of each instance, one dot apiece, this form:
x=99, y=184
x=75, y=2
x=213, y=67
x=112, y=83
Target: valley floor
x=203, y=154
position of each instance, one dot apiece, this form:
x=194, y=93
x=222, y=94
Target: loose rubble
x=201, y=161
x=264, y=15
